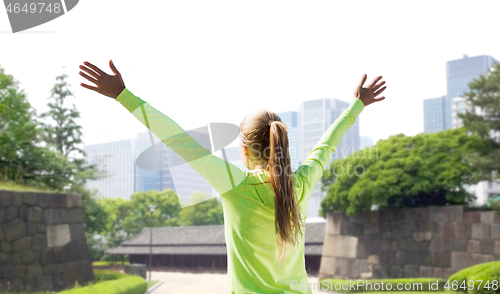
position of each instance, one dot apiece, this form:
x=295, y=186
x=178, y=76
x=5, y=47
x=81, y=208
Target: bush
x=110, y=282
x=107, y=263
x=481, y=278
x=418, y=284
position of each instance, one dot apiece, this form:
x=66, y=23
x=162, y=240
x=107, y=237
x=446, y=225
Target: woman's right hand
x=368, y=95
x=107, y=85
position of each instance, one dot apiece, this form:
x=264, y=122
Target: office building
x=365, y=141
x=315, y=117
x=459, y=73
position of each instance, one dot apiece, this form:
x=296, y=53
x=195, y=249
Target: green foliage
x=402, y=171
x=108, y=263
x=417, y=285
x=202, y=213
x=484, y=94
x=112, y=283
x=22, y=158
x=464, y=275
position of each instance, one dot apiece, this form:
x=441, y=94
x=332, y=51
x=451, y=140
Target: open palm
x=108, y=85
x=368, y=95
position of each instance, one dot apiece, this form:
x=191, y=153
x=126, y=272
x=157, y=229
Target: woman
x=264, y=208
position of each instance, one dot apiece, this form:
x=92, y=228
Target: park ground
x=207, y=283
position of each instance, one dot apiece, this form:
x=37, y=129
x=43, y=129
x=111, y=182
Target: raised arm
x=220, y=174
x=311, y=171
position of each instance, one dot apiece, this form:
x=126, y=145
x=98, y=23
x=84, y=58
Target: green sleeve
x=220, y=174
x=311, y=171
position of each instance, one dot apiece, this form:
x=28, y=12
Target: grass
x=107, y=263
x=152, y=283
x=11, y=186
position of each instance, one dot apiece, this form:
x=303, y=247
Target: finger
x=89, y=78
x=94, y=68
x=89, y=87
x=379, y=99
x=363, y=80
x=378, y=86
x=91, y=72
x=113, y=68
x=379, y=91
x=374, y=81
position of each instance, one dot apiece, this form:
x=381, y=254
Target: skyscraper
x=459, y=73
x=315, y=117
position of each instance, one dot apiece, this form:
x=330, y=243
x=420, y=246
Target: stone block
x=5, y=247
x=496, y=249
x=425, y=271
x=35, y=214
x=41, y=228
x=436, y=245
x=334, y=223
x=339, y=246
x=426, y=258
x=15, y=258
x=463, y=230
x=77, y=231
x=401, y=230
x=487, y=246
x=460, y=245
x=385, y=244
x=495, y=231
x=490, y=217
x=370, y=228
x=18, y=284
x=5, y=198
x=422, y=235
x=4, y=258
x=30, y=283
x=441, y=259
x=480, y=231
x=397, y=271
x=39, y=242
x=448, y=213
x=49, y=269
x=35, y=270
x=32, y=228
x=14, y=230
x=22, y=244
x=72, y=216
x=474, y=246
x=58, y=281
x=412, y=258
x=17, y=198
x=59, y=235
x=47, y=257
x=448, y=271
x=459, y=259
x=74, y=200
x=21, y=271
x=52, y=216
x=44, y=282
x=363, y=265
x=23, y=212
x=437, y=272
x=412, y=271
x=29, y=198
x=437, y=229
x=11, y=213
x=327, y=266
x=472, y=216
x=360, y=218
x=475, y=258
x=30, y=257
x=8, y=271
x=49, y=200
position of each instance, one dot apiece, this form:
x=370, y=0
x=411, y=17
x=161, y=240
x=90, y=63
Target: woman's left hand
x=108, y=85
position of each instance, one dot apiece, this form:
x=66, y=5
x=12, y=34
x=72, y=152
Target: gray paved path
x=180, y=283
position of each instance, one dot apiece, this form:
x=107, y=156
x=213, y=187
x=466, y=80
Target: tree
x=22, y=159
x=202, y=213
x=402, y=171
x=484, y=95
x=63, y=137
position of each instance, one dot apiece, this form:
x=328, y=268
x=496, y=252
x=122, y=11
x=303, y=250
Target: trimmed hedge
x=481, y=278
x=422, y=284
x=110, y=282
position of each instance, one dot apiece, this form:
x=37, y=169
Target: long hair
x=266, y=139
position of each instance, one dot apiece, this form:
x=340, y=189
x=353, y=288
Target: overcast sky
x=216, y=61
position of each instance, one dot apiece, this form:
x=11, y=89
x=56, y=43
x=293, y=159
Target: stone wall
x=42, y=242
x=416, y=242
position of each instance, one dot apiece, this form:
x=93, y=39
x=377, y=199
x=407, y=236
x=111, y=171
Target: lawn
x=11, y=186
